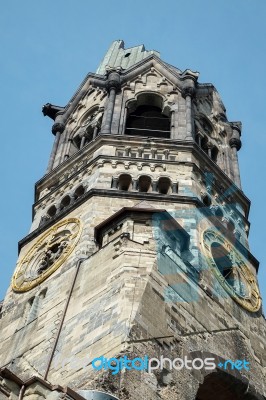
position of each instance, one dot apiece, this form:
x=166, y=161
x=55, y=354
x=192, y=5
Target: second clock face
x=46, y=255
x=231, y=270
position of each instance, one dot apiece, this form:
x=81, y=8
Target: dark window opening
x=221, y=386
x=124, y=182
x=81, y=141
x=223, y=262
x=214, y=154
x=127, y=55
x=54, y=248
x=208, y=148
x=164, y=186
x=148, y=120
x=88, y=129
x=219, y=213
x=144, y=184
x=204, y=144
x=65, y=202
x=206, y=126
x=52, y=211
x=77, y=142
x=207, y=200
x=79, y=192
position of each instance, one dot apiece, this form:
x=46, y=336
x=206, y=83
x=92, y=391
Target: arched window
x=207, y=200
x=204, y=144
x=89, y=127
x=222, y=386
x=51, y=211
x=124, y=182
x=145, y=118
x=79, y=192
x=144, y=183
x=65, y=202
x=214, y=153
x=206, y=126
x=164, y=186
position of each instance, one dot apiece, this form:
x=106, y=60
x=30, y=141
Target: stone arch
x=205, y=124
x=164, y=185
x=83, y=118
x=222, y=383
x=65, y=202
x=221, y=386
x=79, y=191
x=206, y=199
x=147, y=116
x=144, y=183
x=125, y=182
x=51, y=211
x=159, y=167
x=88, y=126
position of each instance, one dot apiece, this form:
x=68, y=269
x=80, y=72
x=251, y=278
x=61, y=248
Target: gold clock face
x=231, y=270
x=46, y=255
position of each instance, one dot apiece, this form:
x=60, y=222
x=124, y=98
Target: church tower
x=136, y=280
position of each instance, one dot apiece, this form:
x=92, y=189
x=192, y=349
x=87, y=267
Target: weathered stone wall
x=120, y=297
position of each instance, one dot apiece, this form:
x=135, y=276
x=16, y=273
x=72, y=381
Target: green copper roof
x=118, y=56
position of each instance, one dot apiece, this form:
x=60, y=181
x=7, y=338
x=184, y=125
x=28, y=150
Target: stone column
x=174, y=187
x=134, y=184
x=95, y=131
x=82, y=143
x=209, y=145
x=189, y=79
x=174, y=121
x=154, y=186
x=188, y=93
x=57, y=129
x=112, y=85
x=235, y=144
x=115, y=183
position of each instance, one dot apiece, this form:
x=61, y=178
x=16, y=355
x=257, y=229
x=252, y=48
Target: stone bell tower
x=138, y=248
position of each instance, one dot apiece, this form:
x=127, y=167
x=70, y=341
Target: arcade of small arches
x=207, y=146
x=123, y=182
x=89, y=127
x=144, y=184
x=65, y=202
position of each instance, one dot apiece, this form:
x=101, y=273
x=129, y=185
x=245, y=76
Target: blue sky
x=48, y=47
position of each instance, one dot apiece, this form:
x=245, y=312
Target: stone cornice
x=115, y=140
x=109, y=193
x=139, y=196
